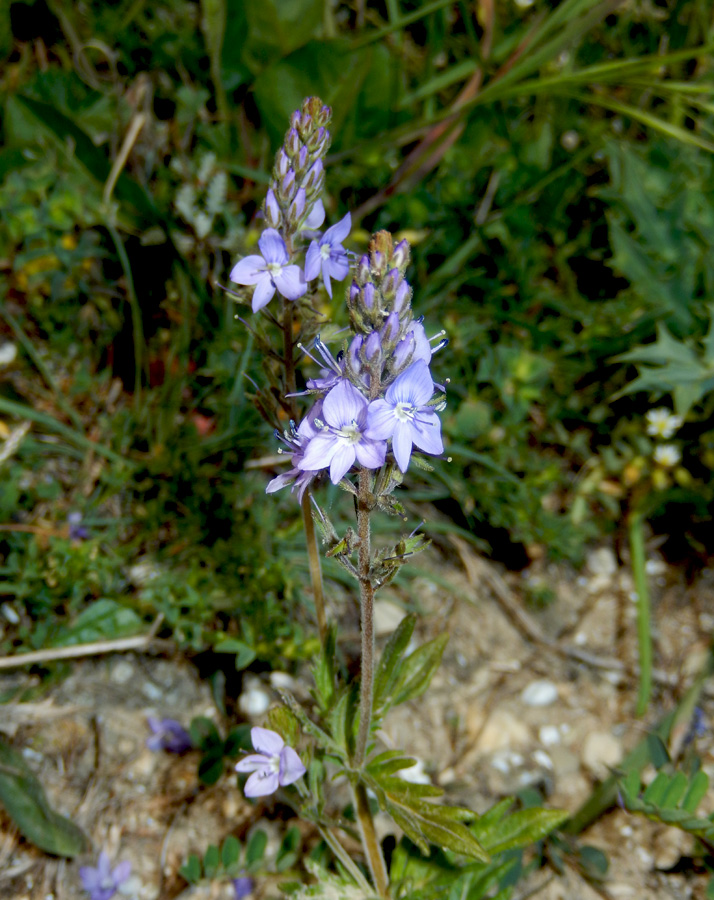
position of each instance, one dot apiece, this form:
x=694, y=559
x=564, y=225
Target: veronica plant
x=373, y=412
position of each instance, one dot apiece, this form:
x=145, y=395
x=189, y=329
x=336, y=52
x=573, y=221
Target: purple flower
x=168, y=735
x=341, y=438
x=102, y=883
x=243, y=887
x=328, y=255
x=298, y=440
x=77, y=531
x=274, y=765
x=403, y=415
x=270, y=271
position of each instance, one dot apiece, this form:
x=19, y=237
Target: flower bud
x=368, y=296
x=363, y=272
x=287, y=185
x=318, y=142
x=297, y=207
x=313, y=175
x=402, y=297
x=292, y=143
x=323, y=116
x=272, y=210
x=373, y=346
x=390, y=284
x=302, y=159
x=282, y=163
x=390, y=330
x=295, y=119
x=400, y=257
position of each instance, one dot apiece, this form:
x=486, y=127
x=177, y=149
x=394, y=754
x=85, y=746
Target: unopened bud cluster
x=298, y=173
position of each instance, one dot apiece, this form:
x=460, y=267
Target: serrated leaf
x=230, y=852
x=24, y=800
x=518, y=829
x=392, y=654
x=423, y=821
x=417, y=670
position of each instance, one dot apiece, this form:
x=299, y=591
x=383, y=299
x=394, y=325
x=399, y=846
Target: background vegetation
x=551, y=165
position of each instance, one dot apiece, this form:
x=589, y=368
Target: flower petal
x=326, y=279
x=281, y=481
x=414, y=385
x=371, y=454
x=290, y=282
x=249, y=270
x=402, y=445
x=266, y=741
x=342, y=461
x=272, y=246
x=319, y=452
x=291, y=767
x=261, y=784
x=263, y=293
x=121, y=872
x=336, y=267
x=313, y=260
x=381, y=420
x=337, y=233
x=252, y=763
x=343, y=404
x=426, y=433
x=316, y=217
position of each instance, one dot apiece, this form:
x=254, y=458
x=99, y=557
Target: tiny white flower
x=667, y=455
x=662, y=423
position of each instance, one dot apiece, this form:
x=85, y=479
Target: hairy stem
x=366, y=597
x=372, y=850
x=370, y=842
x=644, y=636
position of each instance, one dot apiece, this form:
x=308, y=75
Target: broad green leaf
x=676, y=789
x=517, y=829
x=275, y=28
x=656, y=789
x=204, y=734
x=191, y=870
x=392, y=654
x=289, y=849
x=595, y=863
x=210, y=766
x=244, y=654
x=283, y=721
x=412, y=808
x=698, y=787
x=230, y=852
x=256, y=847
x=417, y=670
x=24, y=800
x=211, y=861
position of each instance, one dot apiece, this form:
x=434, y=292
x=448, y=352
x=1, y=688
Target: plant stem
x=313, y=552
x=366, y=592
x=637, y=553
x=370, y=842
x=313, y=559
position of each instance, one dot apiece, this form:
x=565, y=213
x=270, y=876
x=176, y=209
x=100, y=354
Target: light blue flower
x=274, y=765
x=328, y=255
x=404, y=416
x=102, y=883
x=270, y=271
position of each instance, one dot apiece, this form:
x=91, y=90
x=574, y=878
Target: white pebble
x=549, y=735
x=540, y=693
x=253, y=702
x=542, y=758
x=602, y=561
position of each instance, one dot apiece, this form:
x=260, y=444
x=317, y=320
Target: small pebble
x=602, y=561
x=601, y=752
x=542, y=758
x=549, y=735
x=387, y=615
x=539, y=693
x=122, y=672
x=254, y=702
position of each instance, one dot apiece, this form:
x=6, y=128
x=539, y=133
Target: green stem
x=370, y=842
x=366, y=591
x=637, y=553
x=137, y=326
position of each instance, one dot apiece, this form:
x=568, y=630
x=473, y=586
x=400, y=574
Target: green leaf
x=244, y=654
x=392, y=654
x=411, y=807
x=230, y=852
x=25, y=802
x=657, y=751
x=211, y=861
x=324, y=671
x=515, y=830
x=656, y=789
x=276, y=28
x=283, y=721
x=191, y=870
x=594, y=862
x=204, y=734
x=256, y=847
x=698, y=787
x=289, y=849
x=675, y=790
x=418, y=669
x=210, y=766
x=238, y=739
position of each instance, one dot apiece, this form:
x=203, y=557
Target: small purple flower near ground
x=270, y=271
x=274, y=765
x=328, y=255
x=403, y=415
x=77, y=531
x=342, y=438
x=102, y=883
x=243, y=887
x=169, y=735
x=298, y=440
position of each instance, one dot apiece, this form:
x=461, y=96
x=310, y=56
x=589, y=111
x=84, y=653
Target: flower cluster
x=378, y=390
x=661, y=423
x=292, y=210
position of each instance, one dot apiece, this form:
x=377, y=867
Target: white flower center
x=350, y=433
x=405, y=412
x=325, y=251
x=274, y=268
